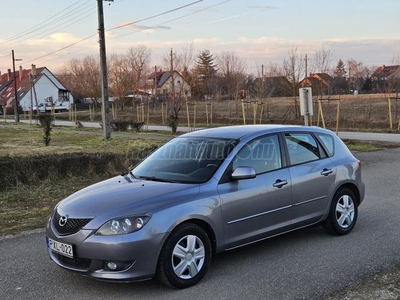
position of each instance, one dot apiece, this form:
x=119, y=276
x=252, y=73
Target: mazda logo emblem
x=63, y=220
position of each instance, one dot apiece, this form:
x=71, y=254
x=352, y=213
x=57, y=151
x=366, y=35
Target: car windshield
x=185, y=160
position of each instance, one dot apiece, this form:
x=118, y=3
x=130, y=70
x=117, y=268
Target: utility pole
x=172, y=77
x=306, y=67
x=262, y=73
x=155, y=85
x=105, y=110
x=16, y=113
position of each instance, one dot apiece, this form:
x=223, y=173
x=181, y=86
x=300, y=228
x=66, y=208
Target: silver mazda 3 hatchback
x=203, y=193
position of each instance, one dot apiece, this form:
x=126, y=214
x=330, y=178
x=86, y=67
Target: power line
x=174, y=19
x=148, y=18
x=135, y=22
x=155, y=16
x=55, y=29
x=46, y=22
x=66, y=47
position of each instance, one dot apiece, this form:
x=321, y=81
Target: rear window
x=327, y=142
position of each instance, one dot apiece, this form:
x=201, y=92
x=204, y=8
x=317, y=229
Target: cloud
x=226, y=19
x=61, y=37
x=263, y=7
x=143, y=28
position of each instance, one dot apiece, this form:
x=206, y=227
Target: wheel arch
x=205, y=226
x=209, y=231
x=353, y=188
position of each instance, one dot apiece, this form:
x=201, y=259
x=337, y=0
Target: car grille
x=72, y=226
x=76, y=262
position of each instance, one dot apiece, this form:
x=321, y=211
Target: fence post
x=390, y=114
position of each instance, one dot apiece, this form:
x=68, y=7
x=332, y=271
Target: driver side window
x=262, y=154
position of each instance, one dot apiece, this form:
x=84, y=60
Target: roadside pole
x=105, y=111
x=306, y=108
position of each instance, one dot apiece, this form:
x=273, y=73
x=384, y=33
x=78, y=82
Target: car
x=204, y=193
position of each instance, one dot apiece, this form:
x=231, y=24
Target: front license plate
x=61, y=248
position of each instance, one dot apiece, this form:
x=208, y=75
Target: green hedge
x=16, y=171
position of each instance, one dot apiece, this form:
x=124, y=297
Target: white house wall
x=53, y=79
x=44, y=88
x=47, y=85
x=180, y=86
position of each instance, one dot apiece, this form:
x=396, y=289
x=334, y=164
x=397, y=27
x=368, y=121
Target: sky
x=261, y=32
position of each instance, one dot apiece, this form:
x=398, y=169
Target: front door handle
x=280, y=183
x=326, y=172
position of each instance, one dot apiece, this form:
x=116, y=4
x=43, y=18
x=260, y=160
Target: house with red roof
x=386, y=79
x=36, y=87
x=321, y=83
x=160, y=84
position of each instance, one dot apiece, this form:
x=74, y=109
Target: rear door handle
x=280, y=183
x=326, y=172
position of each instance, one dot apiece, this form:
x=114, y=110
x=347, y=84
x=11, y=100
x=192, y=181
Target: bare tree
x=293, y=67
x=321, y=61
x=232, y=72
x=358, y=74
x=120, y=80
x=139, y=62
x=174, y=99
x=183, y=60
x=82, y=77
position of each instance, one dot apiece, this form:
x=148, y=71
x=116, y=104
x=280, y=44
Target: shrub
x=32, y=170
x=137, y=126
x=120, y=125
x=45, y=121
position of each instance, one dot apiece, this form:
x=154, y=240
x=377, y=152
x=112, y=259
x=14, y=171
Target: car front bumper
x=138, y=252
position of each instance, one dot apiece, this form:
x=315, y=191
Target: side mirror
x=243, y=173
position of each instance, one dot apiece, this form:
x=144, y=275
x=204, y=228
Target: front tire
x=343, y=213
x=185, y=257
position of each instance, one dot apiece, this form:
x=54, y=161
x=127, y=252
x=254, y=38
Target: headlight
x=123, y=225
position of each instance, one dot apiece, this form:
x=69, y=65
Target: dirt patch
x=382, y=286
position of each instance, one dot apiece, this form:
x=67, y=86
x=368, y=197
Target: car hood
x=123, y=192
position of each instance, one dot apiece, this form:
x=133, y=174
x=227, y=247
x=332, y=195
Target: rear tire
x=343, y=213
x=185, y=257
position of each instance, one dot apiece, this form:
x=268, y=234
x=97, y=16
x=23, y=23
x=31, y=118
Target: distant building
x=159, y=84
x=321, y=83
x=273, y=86
x=386, y=79
x=35, y=88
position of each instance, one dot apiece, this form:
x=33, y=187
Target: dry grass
x=27, y=207
x=27, y=142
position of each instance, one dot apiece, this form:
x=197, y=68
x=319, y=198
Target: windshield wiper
x=153, y=178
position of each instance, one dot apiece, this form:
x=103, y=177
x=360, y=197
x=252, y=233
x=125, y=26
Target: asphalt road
x=306, y=264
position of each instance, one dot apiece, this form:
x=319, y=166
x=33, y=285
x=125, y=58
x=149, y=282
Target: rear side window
x=327, y=141
x=302, y=147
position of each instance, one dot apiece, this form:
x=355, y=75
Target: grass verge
x=27, y=207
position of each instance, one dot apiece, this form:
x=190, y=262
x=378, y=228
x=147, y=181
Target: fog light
x=112, y=265
x=117, y=265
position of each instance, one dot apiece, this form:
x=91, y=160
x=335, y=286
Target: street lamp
x=16, y=114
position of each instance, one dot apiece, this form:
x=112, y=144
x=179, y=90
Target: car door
x=313, y=176
x=255, y=208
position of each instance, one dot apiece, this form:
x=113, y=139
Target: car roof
x=241, y=131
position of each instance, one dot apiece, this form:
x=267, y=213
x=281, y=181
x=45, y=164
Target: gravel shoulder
x=382, y=286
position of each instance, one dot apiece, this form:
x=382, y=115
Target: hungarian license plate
x=61, y=248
